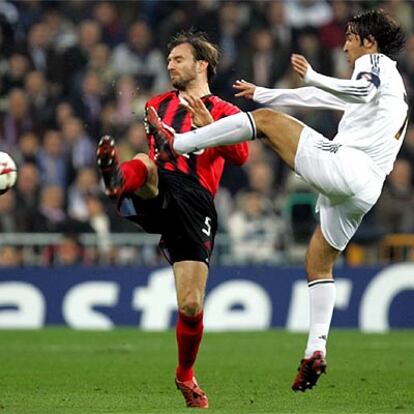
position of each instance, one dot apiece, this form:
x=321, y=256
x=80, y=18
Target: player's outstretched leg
x=108, y=163
x=163, y=135
x=194, y=396
x=309, y=371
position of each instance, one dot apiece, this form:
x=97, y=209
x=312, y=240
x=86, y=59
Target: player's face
x=182, y=66
x=352, y=47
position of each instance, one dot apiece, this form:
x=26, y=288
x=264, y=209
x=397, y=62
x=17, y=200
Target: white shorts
x=347, y=179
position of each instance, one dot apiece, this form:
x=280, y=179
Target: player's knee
x=149, y=163
x=150, y=189
x=191, y=306
x=317, y=269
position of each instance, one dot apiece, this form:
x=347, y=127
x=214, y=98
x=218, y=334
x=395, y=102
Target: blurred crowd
x=72, y=71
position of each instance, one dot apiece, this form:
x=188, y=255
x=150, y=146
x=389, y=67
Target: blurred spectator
x=18, y=66
x=41, y=55
x=303, y=13
x=108, y=120
x=106, y=14
x=78, y=144
x=64, y=111
x=52, y=160
x=75, y=58
x=407, y=67
x=179, y=18
x=61, y=31
x=138, y=58
x=323, y=121
x=331, y=37
x=41, y=103
x=89, y=101
x=77, y=10
x=28, y=148
x=229, y=34
x=10, y=219
x=261, y=179
x=100, y=63
x=407, y=150
x=402, y=11
x=255, y=231
x=331, y=34
x=135, y=141
x=27, y=193
x=69, y=252
x=224, y=203
x=308, y=45
x=15, y=121
x=258, y=153
x=126, y=93
x=51, y=216
x=100, y=223
x=7, y=34
x=263, y=63
x=11, y=256
x=275, y=15
x=30, y=12
x=394, y=210
x=85, y=184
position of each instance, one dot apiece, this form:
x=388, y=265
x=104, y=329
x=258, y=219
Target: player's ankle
x=184, y=374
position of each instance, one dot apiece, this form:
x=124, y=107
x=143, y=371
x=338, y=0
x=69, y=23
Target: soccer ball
x=8, y=172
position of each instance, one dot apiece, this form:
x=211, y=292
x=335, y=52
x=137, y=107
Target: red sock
x=189, y=333
x=135, y=175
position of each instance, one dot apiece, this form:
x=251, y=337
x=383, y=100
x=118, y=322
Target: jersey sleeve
x=235, y=154
x=309, y=96
x=150, y=138
x=361, y=88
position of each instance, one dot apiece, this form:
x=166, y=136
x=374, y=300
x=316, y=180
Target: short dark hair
x=378, y=24
x=203, y=49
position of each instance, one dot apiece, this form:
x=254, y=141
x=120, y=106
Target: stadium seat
x=397, y=247
x=299, y=211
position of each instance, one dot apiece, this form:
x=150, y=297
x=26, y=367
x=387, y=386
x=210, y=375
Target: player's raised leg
x=280, y=130
x=138, y=175
x=282, y=133
x=319, y=262
x=190, y=280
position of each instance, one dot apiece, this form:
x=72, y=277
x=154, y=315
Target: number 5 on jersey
x=207, y=229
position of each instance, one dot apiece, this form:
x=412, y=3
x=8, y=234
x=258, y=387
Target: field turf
x=128, y=371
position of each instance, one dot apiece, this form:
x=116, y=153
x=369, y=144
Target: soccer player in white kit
x=348, y=171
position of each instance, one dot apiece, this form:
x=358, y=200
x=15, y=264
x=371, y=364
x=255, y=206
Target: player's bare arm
x=245, y=89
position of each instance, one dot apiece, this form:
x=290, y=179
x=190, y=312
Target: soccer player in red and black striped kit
x=175, y=198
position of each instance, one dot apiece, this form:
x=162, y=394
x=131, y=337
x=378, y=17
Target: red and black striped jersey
x=206, y=166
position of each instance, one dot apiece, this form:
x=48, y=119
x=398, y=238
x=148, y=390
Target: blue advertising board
x=373, y=299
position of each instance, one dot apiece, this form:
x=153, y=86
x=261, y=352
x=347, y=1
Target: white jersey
x=374, y=102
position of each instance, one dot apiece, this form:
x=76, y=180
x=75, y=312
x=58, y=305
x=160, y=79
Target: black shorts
x=183, y=213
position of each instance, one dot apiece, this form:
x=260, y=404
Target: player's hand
x=200, y=115
x=300, y=64
x=245, y=89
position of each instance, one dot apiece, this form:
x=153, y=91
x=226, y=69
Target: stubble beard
x=182, y=83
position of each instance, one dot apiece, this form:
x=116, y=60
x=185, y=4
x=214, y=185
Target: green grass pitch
x=129, y=371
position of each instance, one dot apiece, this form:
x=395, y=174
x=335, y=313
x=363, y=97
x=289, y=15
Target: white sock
x=230, y=130
x=322, y=294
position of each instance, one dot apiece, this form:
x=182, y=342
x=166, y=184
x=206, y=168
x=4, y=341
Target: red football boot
x=163, y=134
x=194, y=396
x=309, y=371
x=108, y=163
